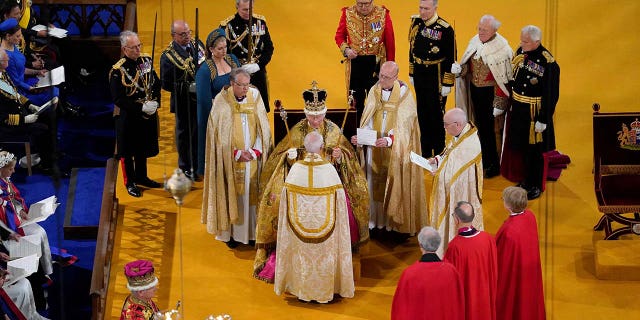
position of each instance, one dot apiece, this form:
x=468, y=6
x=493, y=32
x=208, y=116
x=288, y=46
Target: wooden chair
x=616, y=156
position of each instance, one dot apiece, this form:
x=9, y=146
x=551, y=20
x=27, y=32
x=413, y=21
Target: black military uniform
x=431, y=53
x=178, y=66
x=535, y=92
x=237, y=32
x=132, y=82
x=14, y=107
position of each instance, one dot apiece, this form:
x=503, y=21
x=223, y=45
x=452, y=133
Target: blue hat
x=8, y=24
x=214, y=35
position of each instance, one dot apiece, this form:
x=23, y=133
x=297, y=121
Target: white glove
x=292, y=153
x=149, y=107
x=251, y=68
x=411, y=81
x=540, y=126
x=33, y=108
x=31, y=118
x=456, y=68
x=497, y=112
x=445, y=91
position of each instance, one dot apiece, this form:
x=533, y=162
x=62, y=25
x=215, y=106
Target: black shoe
x=148, y=183
x=492, y=171
x=133, y=190
x=533, y=193
x=232, y=243
x=191, y=175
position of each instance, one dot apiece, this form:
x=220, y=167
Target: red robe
x=519, y=270
x=429, y=290
x=474, y=256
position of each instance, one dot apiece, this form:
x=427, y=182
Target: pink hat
x=140, y=275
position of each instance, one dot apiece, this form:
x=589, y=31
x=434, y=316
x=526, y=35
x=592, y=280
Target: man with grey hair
x=429, y=286
x=251, y=44
x=313, y=255
x=458, y=176
x=482, y=88
x=473, y=253
x=238, y=145
x=135, y=89
x=530, y=131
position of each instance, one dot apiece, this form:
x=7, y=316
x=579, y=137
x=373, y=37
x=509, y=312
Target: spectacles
x=364, y=4
x=448, y=124
x=137, y=46
x=241, y=85
x=183, y=34
x=386, y=77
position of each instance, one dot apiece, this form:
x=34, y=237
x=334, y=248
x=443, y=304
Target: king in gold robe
x=231, y=193
x=313, y=257
x=396, y=186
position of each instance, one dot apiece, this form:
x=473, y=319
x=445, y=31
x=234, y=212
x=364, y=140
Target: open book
x=21, y=268
x=422, y=162
x=41, y=210
x=26, y=246
x=53, y=31
x=51, y=78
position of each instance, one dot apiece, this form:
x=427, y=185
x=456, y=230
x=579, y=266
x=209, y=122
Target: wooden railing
x=104, y=242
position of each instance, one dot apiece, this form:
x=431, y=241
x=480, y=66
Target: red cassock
x=519, y=271
x=429, y=290
x=476, y=259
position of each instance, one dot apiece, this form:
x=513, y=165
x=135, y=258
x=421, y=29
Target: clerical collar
x=516, y=213
x=387, y=90
x=467, y=231
x=241, y=98
x=430, y=257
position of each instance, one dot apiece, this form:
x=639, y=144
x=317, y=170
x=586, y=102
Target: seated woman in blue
x=211, y=77
x=24, y=78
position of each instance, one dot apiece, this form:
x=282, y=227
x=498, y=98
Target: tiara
x=6, y=158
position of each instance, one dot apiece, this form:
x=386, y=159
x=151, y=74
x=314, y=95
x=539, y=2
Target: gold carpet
x=592, y=41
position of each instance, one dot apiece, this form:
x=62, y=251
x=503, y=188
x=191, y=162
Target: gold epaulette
x=145, y=55
x=547, y=55
x=226, y=21
x=259, y=16
x=415, y=16
x=165, y=50
x=118, y=64
x=443, y=23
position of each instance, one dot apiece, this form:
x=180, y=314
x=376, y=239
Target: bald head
x=454, y=121
x=180, y=32
x=389, y=67
x=388, y=74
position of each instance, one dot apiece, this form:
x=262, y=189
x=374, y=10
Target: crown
x=5, y=158
x=314, y=100
x=635, y=125
x=140, y=275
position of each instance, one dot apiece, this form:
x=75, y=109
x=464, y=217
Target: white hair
x=494, y=22
x=124, y=35
x=429, y=239
x=533, y=32
x=313, y=142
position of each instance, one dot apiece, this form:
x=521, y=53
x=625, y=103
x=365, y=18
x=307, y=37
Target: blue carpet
x=87, y=196
x=69, y=295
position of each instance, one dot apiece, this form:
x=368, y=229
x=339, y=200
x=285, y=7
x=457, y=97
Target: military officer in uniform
x=135, y=89
x=365, y=38
x=535, y=91
x=178, y=65
x=251, y=45
x=431, y=55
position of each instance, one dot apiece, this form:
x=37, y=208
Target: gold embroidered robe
x=396, y=185
x=313, y=257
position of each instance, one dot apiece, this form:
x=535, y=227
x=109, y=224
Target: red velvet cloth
x=476, y=260
x=519, y=270
x=429, y=290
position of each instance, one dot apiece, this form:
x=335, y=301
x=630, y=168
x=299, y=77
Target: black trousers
x=187, y=132
x=364, y=74
x=260, y=81
x=134, y=168
x=482, y=98
x=430, y=109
